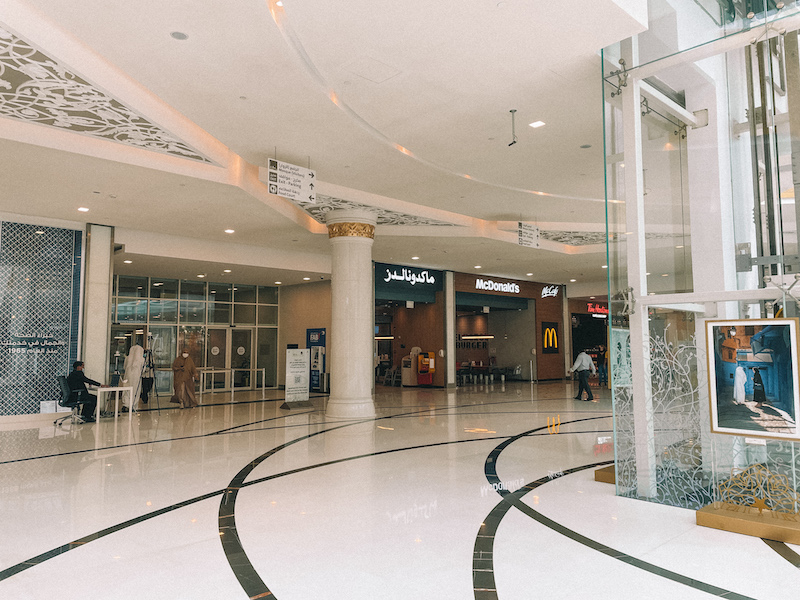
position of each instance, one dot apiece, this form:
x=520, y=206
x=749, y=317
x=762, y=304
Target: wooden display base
x=606, y=475
x=746, y=520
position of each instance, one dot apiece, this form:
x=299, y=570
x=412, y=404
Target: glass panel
x=267, y=355
x=221, y=292
x=267, y=315
x=244, y=314
x=164, y=345
x=244, y=293
x=193, y=312
x=193, y=290
x=132, y=287
x=241, y=357
x=192, y=340
x=267, y=295
x=163, y=311
x=163, y=288
x=130, y=310
x=216, y=358
x=219, y=312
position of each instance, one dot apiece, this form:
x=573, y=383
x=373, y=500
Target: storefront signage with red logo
x=596, y=309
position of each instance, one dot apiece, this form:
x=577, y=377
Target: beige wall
x=302, y=307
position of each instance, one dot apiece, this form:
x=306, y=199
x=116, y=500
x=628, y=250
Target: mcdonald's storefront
x=510, y=325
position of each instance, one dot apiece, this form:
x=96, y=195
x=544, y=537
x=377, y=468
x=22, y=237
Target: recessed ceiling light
x=529, y=274
x=179, y=35
x=415, y=258
x=665, y=274
x=200, y=275
x=40, y=232
x=83, y=209
x=573, y=280
x=226, y=271
x=679, y=246
x=604, y=267
x=477, y=266
x=536, y=124
x=591, y=297
x=647, y=273
x=278, y=282
x=127, y=262
x=306, y=278
x=229, y=231
x=213, y=291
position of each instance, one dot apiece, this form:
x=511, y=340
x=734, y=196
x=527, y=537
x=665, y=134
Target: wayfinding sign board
x=527, y=235
x=290, y=181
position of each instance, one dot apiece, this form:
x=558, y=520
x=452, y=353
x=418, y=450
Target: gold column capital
x=351, y=230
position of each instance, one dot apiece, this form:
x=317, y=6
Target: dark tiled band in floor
x=483, y=575
x=785, y=552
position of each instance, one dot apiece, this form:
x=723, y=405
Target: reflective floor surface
x=484, y=492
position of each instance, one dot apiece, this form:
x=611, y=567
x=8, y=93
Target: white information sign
x=290, y=181
x=297, y=375
x=527, y=235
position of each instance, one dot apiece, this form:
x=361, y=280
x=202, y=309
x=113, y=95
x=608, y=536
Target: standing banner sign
x=297, y=377
x=315, y=341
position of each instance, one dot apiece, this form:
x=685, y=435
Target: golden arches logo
x=550, y=338
x=555, y=427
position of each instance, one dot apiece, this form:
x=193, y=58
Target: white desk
x=102, y=390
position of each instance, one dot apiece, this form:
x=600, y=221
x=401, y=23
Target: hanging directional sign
x=290, y=181
x=528, y=235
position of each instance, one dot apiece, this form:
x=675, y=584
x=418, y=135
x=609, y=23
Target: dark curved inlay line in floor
x=784, y=551
x=484, y=587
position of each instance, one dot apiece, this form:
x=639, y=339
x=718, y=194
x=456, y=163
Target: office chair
x=69, y=399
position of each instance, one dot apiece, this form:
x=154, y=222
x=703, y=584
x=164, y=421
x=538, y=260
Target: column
x=352, y=314
x=97, y=301
x=450, y=328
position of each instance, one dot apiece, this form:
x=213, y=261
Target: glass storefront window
x=192, y=340
x=193, y=290
x=244, y=314
x=164, y=311
x=267, y=315
x=244, y=293
x=164, y=345
x=220, y=292
x=163, y=288
x=193, y=312
x=132, y=287
x=131, y=310
x=267, y=295
x=219, y=313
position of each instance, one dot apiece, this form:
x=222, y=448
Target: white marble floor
x=248, y=500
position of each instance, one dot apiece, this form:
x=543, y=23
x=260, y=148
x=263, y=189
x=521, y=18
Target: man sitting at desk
x=77, y=380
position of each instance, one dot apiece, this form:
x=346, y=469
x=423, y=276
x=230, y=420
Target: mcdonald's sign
x=550, y=338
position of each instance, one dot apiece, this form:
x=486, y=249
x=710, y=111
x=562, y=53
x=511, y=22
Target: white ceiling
x=438, y=78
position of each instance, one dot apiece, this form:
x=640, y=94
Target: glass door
x=217, y=353
x=242, y=357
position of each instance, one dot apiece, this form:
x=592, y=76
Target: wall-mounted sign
x=549, y=337
x=550, y=291
x=527, y=235
x=496, y=286
x=289, y=181
x=596, y=309
x=401, y=278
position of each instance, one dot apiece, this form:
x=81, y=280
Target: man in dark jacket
x=77, y=380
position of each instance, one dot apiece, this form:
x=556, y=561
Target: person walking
x=584, y=365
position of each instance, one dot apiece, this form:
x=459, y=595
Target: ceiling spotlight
x=536, y=124
x=604, y=267
x=278, y=282
x=226, y=271
x=127, y=262
x=306, y=278
x=83, y=209
x=679, y=246
x=477, y=266
x=415, y=258
x=179, y=35
x=573, y=280
x=229, y=231
x=39, y=232
x=201, y=275
x=529, y=274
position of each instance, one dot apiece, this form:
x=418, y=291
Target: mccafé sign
x=496, y=286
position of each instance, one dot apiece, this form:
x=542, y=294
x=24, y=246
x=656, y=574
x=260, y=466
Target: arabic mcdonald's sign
x=400, y=279
x=550, y=341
